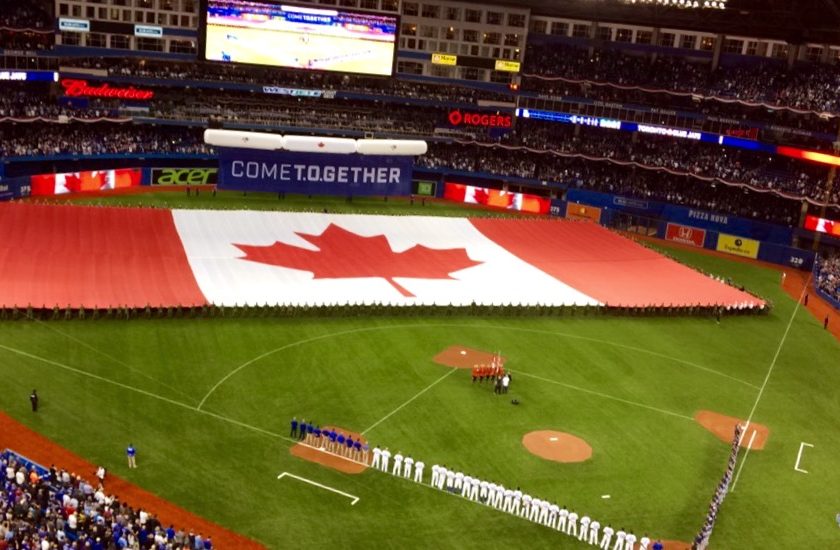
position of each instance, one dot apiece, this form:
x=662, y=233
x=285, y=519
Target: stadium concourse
x=256, y=258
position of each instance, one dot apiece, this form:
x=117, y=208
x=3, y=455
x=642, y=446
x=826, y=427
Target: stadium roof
x=795, y=21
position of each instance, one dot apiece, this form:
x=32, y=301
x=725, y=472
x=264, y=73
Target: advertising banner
x=314, y=173
x=685, y=234
x=184, y=176
x=739, y=246
x=576, y=211
x=46, y=185
x=496, y=198
x=822, y=225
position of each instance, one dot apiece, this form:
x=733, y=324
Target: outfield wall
x=730, y=234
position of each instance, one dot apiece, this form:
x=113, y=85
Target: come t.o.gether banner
x=314, y=173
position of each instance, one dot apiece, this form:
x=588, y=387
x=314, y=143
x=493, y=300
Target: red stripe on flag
x=605, y=266
x=92, y=257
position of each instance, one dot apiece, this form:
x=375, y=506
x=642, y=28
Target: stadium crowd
x=216, y=72
x=809, y=87
x=42, y=510
x=828, y=276
x=37, y=139
x=24, y=15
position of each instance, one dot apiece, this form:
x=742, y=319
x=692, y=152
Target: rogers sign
x=81, y=88
x=466, y=118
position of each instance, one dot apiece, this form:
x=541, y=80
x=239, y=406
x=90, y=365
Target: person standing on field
x=33, y=398
x=131, y=453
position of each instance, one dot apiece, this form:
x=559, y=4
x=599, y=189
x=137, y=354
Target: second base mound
x=557, y=446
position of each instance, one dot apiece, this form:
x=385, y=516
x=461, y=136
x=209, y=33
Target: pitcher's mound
x=723, y=427
x=462, y=357
x=557, y=446
x=347, y=465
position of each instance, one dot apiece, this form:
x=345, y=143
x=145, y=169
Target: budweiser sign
x=80, y=88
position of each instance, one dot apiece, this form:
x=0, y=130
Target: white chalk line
x=290, y=345
x=418, y=394
x=802, y=446
x=354, y=499
x=225, y=418
x=82, y=343
x=603, y=395
x=767, y=379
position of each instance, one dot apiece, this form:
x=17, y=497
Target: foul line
x=354, y=498
x=604, y=395
x=410, y=326
x=104, y=354
x=767, y=379
x=418, y=394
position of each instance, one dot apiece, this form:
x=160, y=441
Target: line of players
x=402, y=464
x=491, y=494
x=534, y=509
x=330, y=440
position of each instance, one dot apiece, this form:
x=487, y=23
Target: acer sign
x=184, y=176
x=314, y=173
x=81, y=88
x=685, y=234
x=483, y=120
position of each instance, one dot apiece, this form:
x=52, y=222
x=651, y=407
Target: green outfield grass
x=628, y=386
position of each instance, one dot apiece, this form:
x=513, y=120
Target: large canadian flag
x=269, y=258
x=112, y=257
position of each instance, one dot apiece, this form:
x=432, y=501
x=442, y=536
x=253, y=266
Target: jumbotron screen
x=296, y=37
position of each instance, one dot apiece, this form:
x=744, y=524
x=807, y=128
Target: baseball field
x=207, y=403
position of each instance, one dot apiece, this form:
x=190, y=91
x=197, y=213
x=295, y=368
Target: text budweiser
x=80, y=88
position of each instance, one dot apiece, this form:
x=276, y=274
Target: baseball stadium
x=419, y=274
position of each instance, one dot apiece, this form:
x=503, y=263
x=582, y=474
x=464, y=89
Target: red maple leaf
x=344, y=254
x=73, y=182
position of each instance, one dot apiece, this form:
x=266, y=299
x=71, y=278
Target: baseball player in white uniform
x=544, y=506
x=553, y=510
x=508, y=505
x=474, y=489
x=534, y=510
x=516, y=507
x=562, y=519
x=584, y=527
x=571, y=529
x=605, y=540
x=398, y=458
x=418, y=471
x=407, y=464
x=465, y=487
x=386, y=457
x=459, y=481
x=450, y=480
x=498, y=498
x=526, y=505
x=377, y=458
x=620, y=535
x=482, y=491
x=594, y=526
x=644, y=542
x=435, y=475
x=630, y=542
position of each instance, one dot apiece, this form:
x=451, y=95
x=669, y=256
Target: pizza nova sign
x=184, y=176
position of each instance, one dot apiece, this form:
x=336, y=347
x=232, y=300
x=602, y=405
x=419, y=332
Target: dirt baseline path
x=17, y=437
